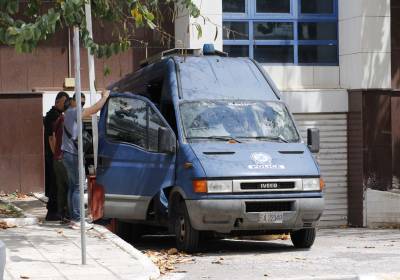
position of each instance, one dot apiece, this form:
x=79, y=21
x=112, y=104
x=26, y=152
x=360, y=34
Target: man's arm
x=52, y=142
x=97, y=106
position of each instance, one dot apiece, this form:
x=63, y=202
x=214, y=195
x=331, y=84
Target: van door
x=131, y=167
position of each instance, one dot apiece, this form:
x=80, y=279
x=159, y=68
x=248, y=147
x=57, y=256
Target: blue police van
x=202, y=144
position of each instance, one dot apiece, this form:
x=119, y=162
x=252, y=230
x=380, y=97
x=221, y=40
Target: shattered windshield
x=238, y=120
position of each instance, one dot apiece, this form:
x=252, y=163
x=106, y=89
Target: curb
x=28, y=220
x=152, y=271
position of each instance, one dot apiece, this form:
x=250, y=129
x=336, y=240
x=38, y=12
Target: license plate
x=271, y=218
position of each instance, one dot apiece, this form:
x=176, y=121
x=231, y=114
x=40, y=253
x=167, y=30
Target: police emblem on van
x=261, y=158
x=263, y=161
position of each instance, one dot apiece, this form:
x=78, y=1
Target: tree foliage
x=23, y=24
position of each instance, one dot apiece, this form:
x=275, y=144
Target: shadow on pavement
x=217, y=247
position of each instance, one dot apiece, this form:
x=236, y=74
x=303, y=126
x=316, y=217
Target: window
x=265, y=121
x=234, y=6
x=273, y=6
x=317, y=6
x=315, y=54
x=155, y=122
x=131, y=120
x=317, y=31
x=273, y=31
x=273, y=54
x=301, y=32
x=236, y=50
x=234, y=30
x=126, y=121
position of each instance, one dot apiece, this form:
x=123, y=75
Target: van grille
x=267, y=185
x=271, y=206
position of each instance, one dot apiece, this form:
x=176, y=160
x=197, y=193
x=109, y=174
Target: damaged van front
x=202, y=144
x=254, y=173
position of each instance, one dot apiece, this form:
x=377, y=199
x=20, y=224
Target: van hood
x=255, y=159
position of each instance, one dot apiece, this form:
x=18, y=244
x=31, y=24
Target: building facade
x=336, y=62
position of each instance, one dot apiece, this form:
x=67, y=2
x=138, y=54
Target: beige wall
x=304, y=77
x=364, y=44
x=382, y=208
x=316, y=101
x=186, y=35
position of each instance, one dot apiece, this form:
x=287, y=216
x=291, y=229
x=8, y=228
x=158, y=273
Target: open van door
x=136, y=157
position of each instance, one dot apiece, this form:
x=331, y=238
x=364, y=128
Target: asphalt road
x=336, y=254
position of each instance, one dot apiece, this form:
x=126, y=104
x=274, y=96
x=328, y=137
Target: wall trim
x=317, y=100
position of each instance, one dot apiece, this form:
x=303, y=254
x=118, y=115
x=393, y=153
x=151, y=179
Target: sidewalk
x=49, y=250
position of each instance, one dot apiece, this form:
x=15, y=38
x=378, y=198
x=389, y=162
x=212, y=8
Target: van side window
x=127, y=121
x=154, y=90
x=168, y=112
x=155, y=123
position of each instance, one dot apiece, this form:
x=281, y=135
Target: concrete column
x=364, y=44
x=210, y=21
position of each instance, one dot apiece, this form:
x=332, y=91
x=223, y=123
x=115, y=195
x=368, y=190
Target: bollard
x=2, y=259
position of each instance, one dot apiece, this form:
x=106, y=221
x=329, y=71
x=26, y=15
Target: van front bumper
x=226, y=215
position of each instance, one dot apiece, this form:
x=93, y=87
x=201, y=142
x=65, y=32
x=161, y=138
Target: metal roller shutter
x=332, y=159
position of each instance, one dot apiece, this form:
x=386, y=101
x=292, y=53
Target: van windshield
x=261, y=120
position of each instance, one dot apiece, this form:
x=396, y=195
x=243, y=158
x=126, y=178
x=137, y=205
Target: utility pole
x=92, y=77
x=80, y=143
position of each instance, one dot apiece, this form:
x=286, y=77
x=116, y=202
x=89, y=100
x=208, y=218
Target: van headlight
x=312, y=184
x=219, y=186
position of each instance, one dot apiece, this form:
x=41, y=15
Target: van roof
x=215, y=77
x=210, y=77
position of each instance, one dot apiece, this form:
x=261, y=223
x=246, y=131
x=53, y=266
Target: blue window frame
x=299, y=32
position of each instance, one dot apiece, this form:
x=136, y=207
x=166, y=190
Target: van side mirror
x=313, y=139
x=166, y=141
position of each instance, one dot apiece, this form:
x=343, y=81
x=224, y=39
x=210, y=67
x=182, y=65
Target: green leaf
x=101, y=52
x=2, y=35
x=27, y=34
x=12, y=6
x=12, y=30
x=18, y=46
x=151, y=24
x=106, y=70
x=25, y=48
x=109, y=51
x=116, y=48
x=149, y=15
x=199, y=30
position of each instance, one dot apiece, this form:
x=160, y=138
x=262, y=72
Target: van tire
x=187, y=238
x=303, y=238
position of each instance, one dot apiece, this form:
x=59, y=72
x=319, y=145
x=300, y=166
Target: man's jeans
x=71, y=165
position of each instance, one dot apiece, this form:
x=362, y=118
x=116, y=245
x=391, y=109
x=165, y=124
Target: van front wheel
x=187, y=238
x=303, y=238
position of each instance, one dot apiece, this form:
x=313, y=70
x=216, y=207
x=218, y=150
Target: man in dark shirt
x=61, y=176
x=50, y=187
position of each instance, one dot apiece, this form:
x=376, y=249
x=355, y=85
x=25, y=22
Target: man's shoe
x=52, y=216
x=64, y=220
x=77, y=225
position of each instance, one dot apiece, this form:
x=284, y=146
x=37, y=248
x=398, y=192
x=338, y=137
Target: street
x=336, y=254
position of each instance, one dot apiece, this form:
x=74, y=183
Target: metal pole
x=88, y=13
x=80, y=146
